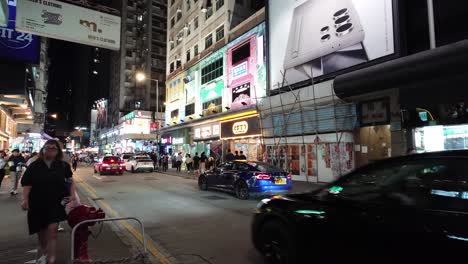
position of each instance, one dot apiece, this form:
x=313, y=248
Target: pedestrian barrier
x=140, y=258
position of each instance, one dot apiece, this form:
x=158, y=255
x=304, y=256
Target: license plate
x=115, y=166
x=280, y=181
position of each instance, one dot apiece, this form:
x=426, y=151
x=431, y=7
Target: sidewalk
x=298, y=186
x=17, y=247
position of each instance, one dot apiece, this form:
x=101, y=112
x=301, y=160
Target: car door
x=128, y=164
x=238, y=170
x=224, y=173
x=214, y=176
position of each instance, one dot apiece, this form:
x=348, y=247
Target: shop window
x=220, y=33
x=212, y=71
x=240, y=54
x=190, y=109
x=208, y=41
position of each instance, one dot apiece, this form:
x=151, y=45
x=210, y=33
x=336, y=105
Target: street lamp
x=54, y=116
x=140, y=77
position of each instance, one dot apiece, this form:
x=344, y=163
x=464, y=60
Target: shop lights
x=243, y=114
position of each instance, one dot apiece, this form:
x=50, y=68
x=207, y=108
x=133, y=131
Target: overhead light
x=96, y=60
x=243, y=103
x=140, y=76
x=227, y=108
x=24, y=106
x=77, y=128
x=95, y=72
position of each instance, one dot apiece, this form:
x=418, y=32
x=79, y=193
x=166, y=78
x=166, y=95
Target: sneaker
x=60, y=228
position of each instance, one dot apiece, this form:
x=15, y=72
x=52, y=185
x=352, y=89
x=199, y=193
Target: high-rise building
x=195, y=28
x=142, y=51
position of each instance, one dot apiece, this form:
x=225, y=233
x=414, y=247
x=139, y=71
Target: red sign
x=154, y=126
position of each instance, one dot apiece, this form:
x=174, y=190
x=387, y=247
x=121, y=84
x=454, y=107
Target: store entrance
x=251, y=147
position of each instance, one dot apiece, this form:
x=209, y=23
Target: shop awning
x=436, y=72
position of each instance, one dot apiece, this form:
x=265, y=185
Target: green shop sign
x=212, y=91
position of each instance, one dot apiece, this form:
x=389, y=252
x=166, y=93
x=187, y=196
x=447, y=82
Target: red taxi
x=110, y=164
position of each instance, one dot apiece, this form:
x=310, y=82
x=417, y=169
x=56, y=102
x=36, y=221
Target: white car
x=126, y=156
x=139, y=163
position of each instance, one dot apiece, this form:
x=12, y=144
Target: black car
x=412, y=208
x=246, y=177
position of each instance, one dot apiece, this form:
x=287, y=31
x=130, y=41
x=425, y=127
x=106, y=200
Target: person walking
x=15, y=161
x=196, y=163
x=46, y=182
x=179, y=161
x=203, y=160
x=229, y=156
x=166, y=162
x=242, y=156
x=188, y=161
x=2, y=167
x=74, y=160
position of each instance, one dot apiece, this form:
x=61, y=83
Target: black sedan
x=400, y=210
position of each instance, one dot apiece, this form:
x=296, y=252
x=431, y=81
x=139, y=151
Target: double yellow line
x=151, y=247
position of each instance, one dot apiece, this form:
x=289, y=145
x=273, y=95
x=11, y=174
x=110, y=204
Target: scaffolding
x=300, y=104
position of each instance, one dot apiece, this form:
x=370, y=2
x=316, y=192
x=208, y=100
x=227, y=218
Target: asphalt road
x=189, y=225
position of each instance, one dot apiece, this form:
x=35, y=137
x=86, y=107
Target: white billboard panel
x=68, y=22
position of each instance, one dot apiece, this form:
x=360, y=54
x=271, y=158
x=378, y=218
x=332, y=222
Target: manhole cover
x=150, y=179
x=97, y=199
x=109, y=180
x=215, y=197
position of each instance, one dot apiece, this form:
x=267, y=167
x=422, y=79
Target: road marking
x=32, y=251
x=30, y=262
x=151, y=247
x=97, y=177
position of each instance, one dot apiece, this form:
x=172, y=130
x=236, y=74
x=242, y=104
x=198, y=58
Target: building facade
x=142, y=50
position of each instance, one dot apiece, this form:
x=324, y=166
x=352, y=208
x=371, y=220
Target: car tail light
x=289, y=176
x=122, y=163
x=105, y=165
x=262, y=176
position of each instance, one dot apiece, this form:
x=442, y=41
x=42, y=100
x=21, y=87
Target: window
x=227, y=166
x=175, y=114
x=208, y=41
x=241, y=167
x=179, y=16
x=172, y=44
x=172, y=22
x=188, y=55
x=129, y=53
x=240, y=54
x=188, y=5
x=219, y=33
x=195, y=23
x=195, y=50
x=171, y=67
x=209, y=13
x=219, y=4
x=190, y=109
x=212, y=71
x=188, y=29
x=178, y=63
x=216, y=102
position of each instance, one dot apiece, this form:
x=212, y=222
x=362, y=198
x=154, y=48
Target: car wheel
x=242, y=190
x=202, y=183
x=133, y=169
x=101, y=173
x=277, y=245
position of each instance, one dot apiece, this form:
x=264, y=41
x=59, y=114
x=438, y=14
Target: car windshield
x=262, y=166
x=143, y=159
x=127, y=156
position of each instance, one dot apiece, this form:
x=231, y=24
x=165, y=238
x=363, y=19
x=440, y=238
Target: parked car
x=139, y=163
x=126, y=156
x=109, y=164
x=246, y=177
x=412, y=208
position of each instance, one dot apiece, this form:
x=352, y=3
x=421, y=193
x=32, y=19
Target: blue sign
x=239, y=70
x=17, y=46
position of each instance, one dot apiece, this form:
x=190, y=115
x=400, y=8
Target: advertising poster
x=101, y=107
x=17, y=46
x=68, y=22
x=246, y=68
x=313, y=38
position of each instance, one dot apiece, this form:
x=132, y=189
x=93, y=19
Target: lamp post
x=141, y=77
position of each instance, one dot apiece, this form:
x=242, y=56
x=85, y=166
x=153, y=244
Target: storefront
x=206, y=139
x=176, y=141
x=242, y=134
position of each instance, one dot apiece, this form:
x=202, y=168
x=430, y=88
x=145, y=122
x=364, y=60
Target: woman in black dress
x=45, y=183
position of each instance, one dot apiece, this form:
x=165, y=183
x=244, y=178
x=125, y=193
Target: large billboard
x=68, y=22
x=101, y=107
x=318, y=38
x=17, y=46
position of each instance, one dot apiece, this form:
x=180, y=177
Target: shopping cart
x=140, y=258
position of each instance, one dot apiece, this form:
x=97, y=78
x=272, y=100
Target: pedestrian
x=229, y=156
x=2, y=167
x=74, y=160
x=15, y=161
x=166, y=162
x=242, y=156
x=188, y=161
x=196, y=163
x=203, y=160
x=236, y=155
x=179, y=161
x=46, y=182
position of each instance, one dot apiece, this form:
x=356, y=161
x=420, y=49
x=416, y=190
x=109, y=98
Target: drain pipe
x=430, y=17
